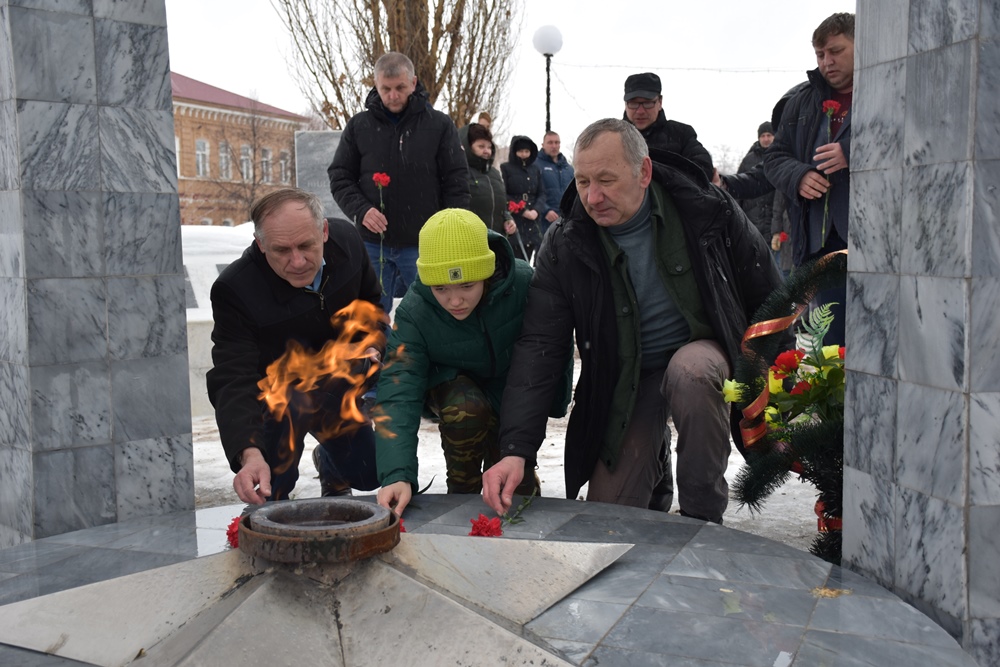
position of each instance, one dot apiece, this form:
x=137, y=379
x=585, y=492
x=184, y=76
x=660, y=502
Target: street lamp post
x=547, y=41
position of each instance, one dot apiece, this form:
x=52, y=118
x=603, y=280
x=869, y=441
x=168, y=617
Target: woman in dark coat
x=489, y=199
x=526, y=192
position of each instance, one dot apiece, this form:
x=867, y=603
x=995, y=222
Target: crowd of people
x=639, y=256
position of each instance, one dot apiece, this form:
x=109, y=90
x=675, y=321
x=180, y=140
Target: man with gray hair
x=299, y=271
x=397, y=164
x=657, y=274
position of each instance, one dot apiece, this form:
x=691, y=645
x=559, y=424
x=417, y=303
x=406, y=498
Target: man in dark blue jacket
x=417, y=147
x=809, y=161
x=557, y=174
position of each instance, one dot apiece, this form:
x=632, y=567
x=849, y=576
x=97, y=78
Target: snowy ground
x=787, y=517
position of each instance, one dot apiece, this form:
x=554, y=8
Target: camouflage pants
x=469, y=430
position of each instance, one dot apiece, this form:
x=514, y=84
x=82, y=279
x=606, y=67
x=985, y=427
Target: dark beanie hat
x=765, y=128
x=477, y=132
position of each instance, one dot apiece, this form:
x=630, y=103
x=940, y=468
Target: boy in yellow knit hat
x=448, y=354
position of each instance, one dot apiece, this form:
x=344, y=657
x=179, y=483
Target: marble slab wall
x=94, y=411
x=313, y=154
x=922, y=450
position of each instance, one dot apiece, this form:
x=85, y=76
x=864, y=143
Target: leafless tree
x=726, y=159
x=256, y=150
x=461, y=50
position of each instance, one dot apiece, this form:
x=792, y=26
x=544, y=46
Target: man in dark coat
x=759, y=209
x=294, y=277
x=557, y=174
x=644, y=109
x=655, y=273
x=809, y=161
x=401, y=136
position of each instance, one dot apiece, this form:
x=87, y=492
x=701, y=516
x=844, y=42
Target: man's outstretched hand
x=500, y=481
x=253, y=482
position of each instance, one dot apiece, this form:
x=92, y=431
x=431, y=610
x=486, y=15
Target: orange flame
x=297, y=381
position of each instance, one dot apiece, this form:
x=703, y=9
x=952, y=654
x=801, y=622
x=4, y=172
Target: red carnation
x=842, y=351
x=402, y=528
x=831, y=107
x=381, y=180
x=783, y=237
x=485, y=527
x=515, y=206
x=233, y=533
x=800, y=388
x=787, y=362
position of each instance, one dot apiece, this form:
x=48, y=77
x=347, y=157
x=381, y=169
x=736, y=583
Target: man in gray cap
x=644, y=109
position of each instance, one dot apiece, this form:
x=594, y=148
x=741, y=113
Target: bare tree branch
x=461, y=51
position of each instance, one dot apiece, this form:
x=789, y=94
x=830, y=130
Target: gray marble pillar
x=94, y=410
x=922, y=451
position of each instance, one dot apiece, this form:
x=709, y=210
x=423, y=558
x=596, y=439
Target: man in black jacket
x=644, y=109
x=401, y=136
x=809, y=161
x=759, y=209
x=285, y=289
x=656, y=273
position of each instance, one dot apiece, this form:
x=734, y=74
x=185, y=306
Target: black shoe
x=328, y=489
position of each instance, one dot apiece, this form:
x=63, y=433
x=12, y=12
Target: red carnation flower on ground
x=831, y=107
x=786, y=363
x=381, y=179
x=486, y=527
x=233, y=533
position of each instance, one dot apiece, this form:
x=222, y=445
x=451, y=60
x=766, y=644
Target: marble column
x=94, y=410
x=922, y=451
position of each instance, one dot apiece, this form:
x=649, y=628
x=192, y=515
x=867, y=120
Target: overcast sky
x=723, y=64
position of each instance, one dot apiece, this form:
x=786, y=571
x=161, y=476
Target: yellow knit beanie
x=453, y=249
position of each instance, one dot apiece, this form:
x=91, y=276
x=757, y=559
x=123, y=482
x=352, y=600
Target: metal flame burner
x=318, y=530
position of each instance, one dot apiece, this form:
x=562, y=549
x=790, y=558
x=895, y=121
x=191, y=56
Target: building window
x=206, y=222
x=227, y=223
x=225, y=162
x=265, y=165
x=246, y=163
x=201, y=158
x=283, y=165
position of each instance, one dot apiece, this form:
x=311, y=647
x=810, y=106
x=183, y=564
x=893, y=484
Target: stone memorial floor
x=688, y=593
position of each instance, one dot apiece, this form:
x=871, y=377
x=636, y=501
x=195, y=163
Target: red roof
x=185, y=87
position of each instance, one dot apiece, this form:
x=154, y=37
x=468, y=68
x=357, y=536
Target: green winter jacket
x=429, y=346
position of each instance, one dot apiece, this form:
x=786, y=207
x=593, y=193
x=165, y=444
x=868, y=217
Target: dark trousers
x=690, y=392
x=469, y=428
x=347, y=461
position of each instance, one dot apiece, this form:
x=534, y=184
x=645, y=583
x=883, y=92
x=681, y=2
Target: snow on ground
x=787, y=517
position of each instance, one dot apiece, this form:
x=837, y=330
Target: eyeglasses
x=645, y=105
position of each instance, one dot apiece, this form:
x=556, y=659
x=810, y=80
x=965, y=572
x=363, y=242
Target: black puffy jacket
x=421, y=155
x=522, y=181
x=571, y=295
